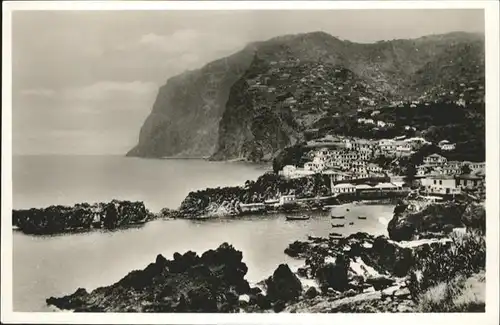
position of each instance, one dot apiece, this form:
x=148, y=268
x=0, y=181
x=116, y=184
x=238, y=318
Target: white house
x=344, y=188
x=317, y=165
x=386, y=186
x=290, y=171
x=417, y=142
x=440, y=184
x=446, y=145
x=374, y=168
x=434, y=159
x=423, y=170
x=387, y=145
x=286, y=199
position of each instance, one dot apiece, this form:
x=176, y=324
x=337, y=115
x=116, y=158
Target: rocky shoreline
x=82, y=217
x=226, y=201
x=357, y=273
x=207, y=203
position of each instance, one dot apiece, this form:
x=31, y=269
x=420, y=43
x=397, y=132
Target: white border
x=492, y=168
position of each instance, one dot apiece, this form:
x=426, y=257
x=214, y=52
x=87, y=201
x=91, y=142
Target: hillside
x=263, y=98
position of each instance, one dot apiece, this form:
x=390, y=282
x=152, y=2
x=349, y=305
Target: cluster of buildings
x=437, y=175
x=350, y=158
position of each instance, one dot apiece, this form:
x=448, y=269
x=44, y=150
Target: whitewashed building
x=344, y=188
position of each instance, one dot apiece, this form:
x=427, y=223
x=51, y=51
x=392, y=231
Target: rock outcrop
x=436, y=219
x=185, y=117
x=283, y=285
x=358, y=273
x=81, y=217
x=226, y=201
x=188, y=283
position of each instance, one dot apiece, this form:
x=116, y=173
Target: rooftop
x=344, y=185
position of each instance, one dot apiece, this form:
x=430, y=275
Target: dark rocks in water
x=283, y=285
x=80, y=217
x=188, y=283
x=311, y=293
x=70, y=301
x=296, y=248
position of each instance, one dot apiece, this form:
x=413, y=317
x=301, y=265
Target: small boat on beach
x=351, y=223
x=338, y=217
x=304, y=217
x=335, y=234
x=361, y=218
x=337, y=225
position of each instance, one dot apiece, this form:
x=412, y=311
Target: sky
x=84, y=81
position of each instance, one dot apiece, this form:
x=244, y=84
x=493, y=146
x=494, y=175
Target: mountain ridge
x=213, y=112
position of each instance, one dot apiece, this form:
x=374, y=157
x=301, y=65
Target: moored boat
x=338, y=217
x=361, y=218
x=304, y=217
x=337, y=225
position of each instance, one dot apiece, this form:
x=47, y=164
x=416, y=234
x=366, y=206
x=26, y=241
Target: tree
x=465, y=169
x=410, y=173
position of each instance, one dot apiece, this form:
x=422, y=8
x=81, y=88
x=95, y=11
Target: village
x=350, y=163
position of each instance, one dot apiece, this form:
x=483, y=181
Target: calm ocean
x=47, y=266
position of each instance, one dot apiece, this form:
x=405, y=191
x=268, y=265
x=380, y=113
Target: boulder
x=380, y=282
x=334, y=275
x=283, y=285
x=312, y=292
x=297, y=248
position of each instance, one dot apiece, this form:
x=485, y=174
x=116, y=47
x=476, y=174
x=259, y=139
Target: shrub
x=442, y=263
x=459, y=295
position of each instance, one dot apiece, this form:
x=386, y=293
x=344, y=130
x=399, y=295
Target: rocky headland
x=83, y=217
x=226, y=201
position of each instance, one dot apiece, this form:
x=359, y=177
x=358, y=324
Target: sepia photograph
x=259, y=160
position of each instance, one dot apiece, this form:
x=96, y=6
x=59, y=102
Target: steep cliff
x=185, y=117
x=262, y=99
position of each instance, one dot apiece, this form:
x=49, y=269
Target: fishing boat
x=361, y=218
x=338, y=217
x=304, y=217
x=337, y=225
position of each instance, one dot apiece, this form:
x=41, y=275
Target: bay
x=45, y=266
